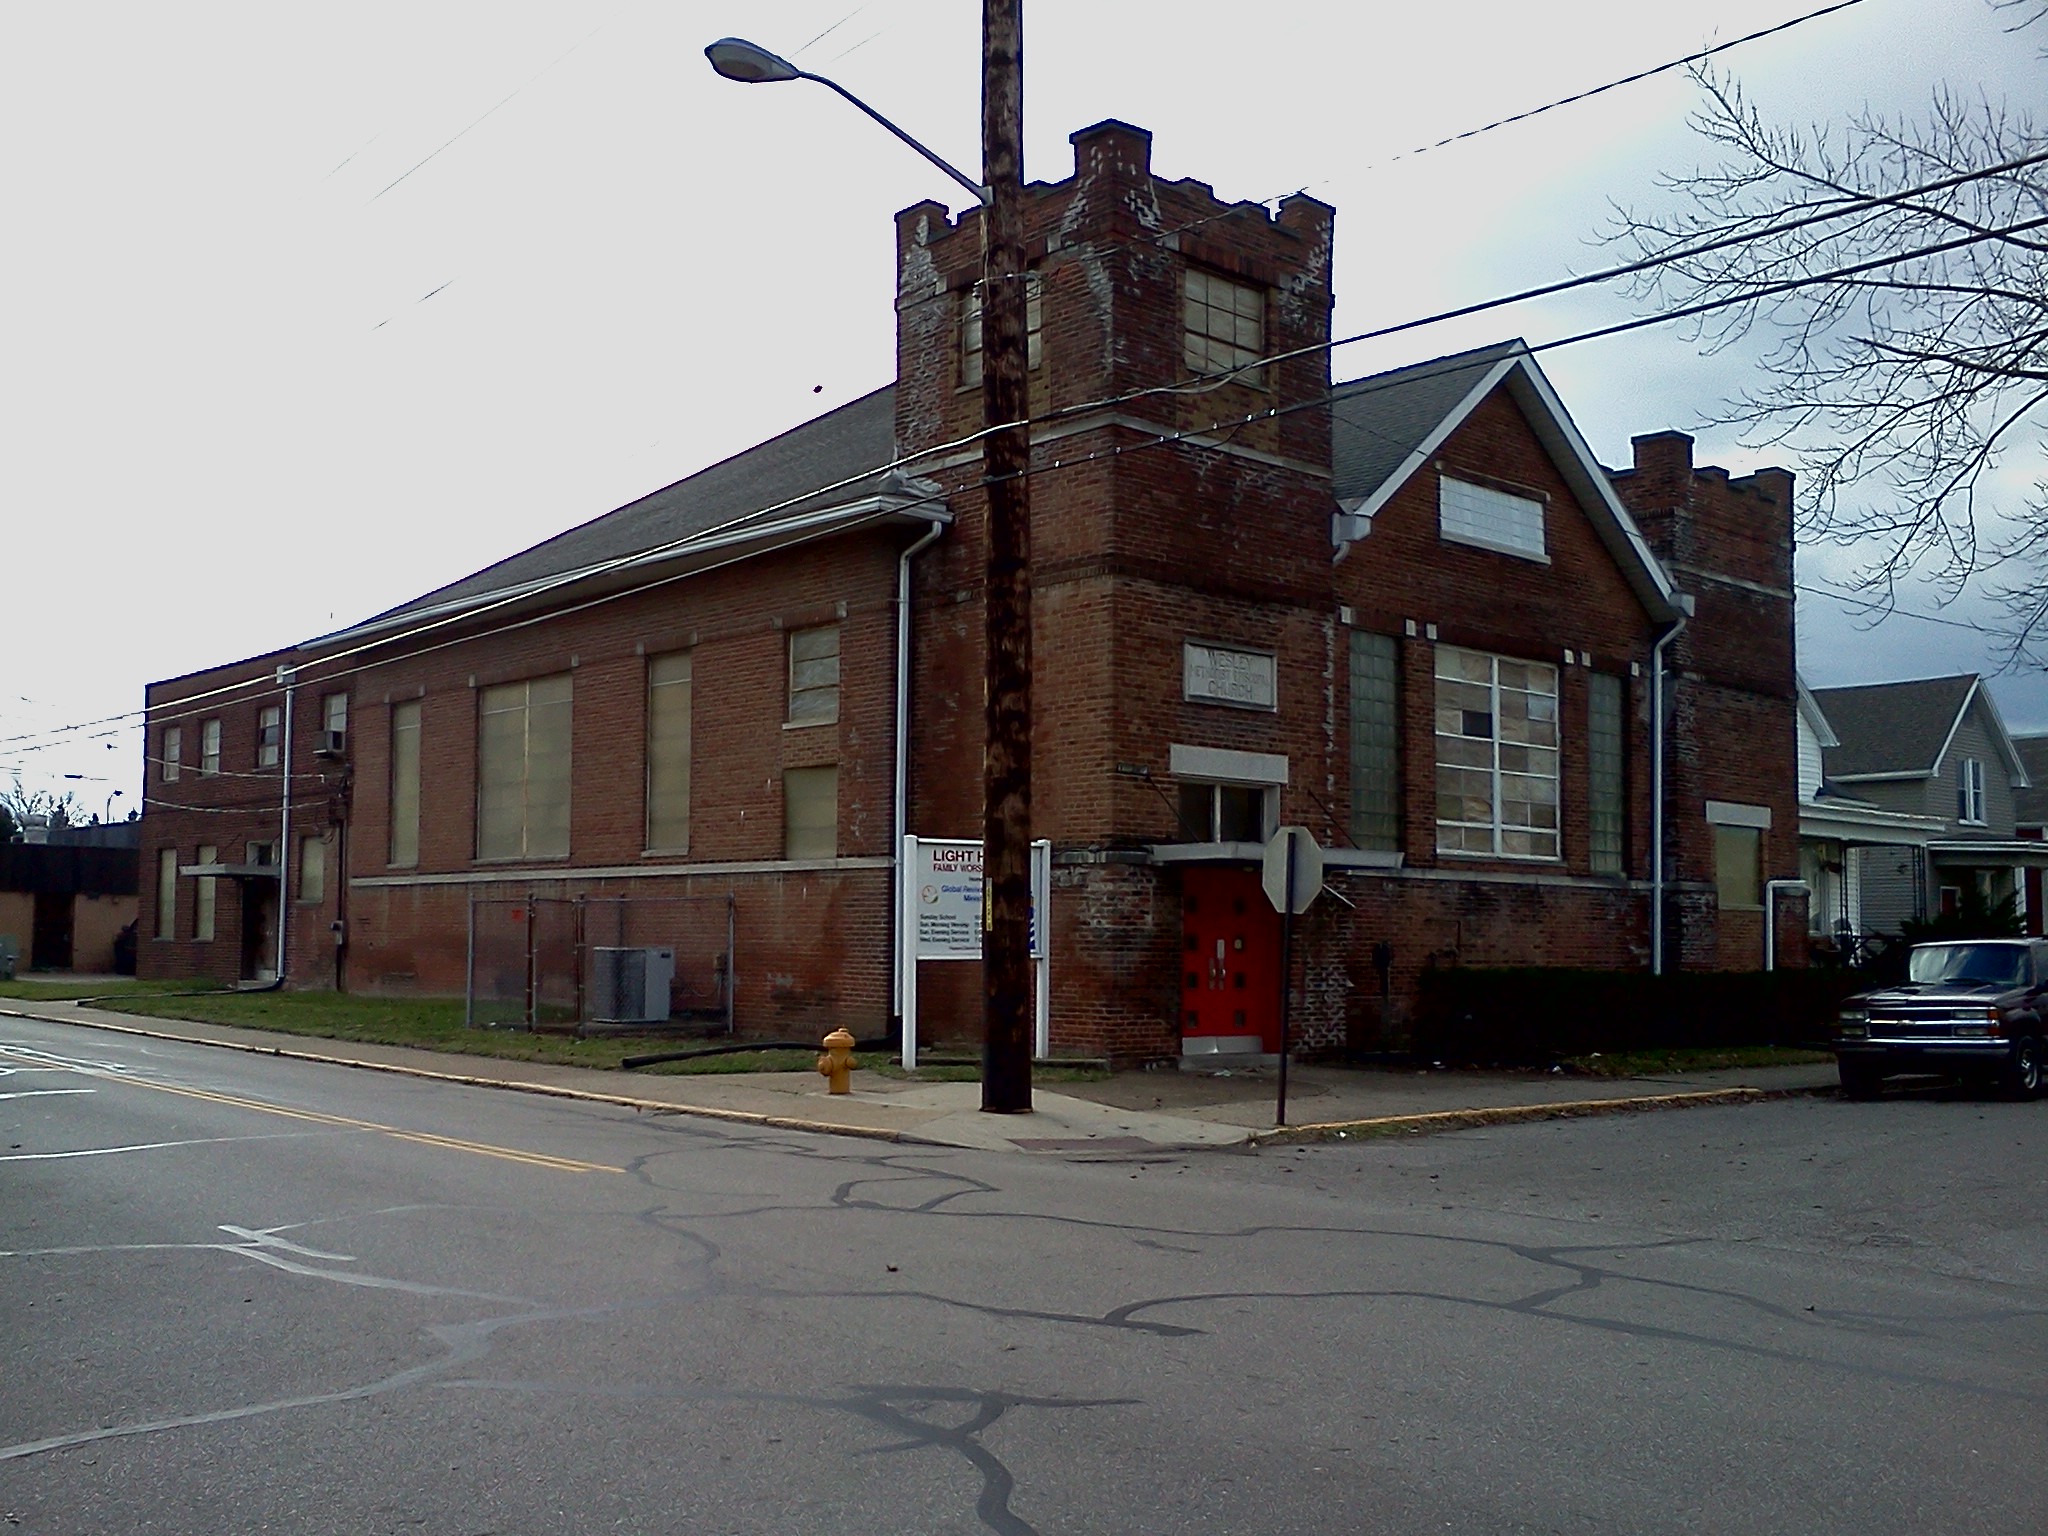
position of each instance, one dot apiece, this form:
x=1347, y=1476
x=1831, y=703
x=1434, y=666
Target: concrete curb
x=1506, y=1114
x=546, y=1090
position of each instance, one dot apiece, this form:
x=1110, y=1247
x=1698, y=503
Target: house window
x=205, y=893
x=312, y=867
x=1375, y=762
x=1225, y=813
x=167, y=893
x=1970, y=792
x=814, y=675
x=269, y=735
x=1226, y=323
x=1496, y=520
x=1496, y=755
x=173, y=753
x=522, y=799
x=970, y=330
x=668, y=753
x=405, y=783
x=1607, y=808
x=334, y=715
x=810, y=813
x=209, y=748
x=1738, y=867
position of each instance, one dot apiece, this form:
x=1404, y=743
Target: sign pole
x=1286, y=974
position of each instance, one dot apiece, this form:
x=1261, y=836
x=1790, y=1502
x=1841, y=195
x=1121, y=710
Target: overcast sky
x=310, y=309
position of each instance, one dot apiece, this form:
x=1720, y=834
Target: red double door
x=1230, y=956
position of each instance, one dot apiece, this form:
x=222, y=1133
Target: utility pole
x=1006, y=454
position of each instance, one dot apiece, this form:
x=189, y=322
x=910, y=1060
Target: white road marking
x=45, y=1093
x=151, y=1146
x=270, y=1239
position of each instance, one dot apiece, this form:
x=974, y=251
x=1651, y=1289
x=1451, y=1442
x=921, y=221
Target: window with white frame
x=209, y=748
x=1226, y=323
x=334, y=714
x=814, y=675
x=522, y=801
x=1490, y=519
x=172, y=753
x=1496, y=755
x=269, y=735
x=1226, y=813
x=668, y=753
x=1970, y=791
x=970, y=330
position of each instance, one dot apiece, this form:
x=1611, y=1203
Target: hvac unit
x=630, y=986
x=332, y=745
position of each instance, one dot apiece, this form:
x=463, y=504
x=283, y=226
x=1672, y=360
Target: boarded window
x=810, y=813
x=1497, y=520
x=814, y=675
x=1738, y=867
x=405, y=783
x=269, y=735
x=167, y=893
x=1496, y=755
x=970, y=330
x=1375, y=760
x=522, y=800
x=312, y=867
x=205, y=895
x=1607, y=807
x=668, y=753
x=209, y=747
x=173, y=753
x=1226, y=323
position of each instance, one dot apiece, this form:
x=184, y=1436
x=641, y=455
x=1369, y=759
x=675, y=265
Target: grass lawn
x=1668, y=1063
x=37, y=989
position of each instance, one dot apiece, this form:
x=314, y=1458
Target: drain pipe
x=1657, y=754
x=288, y=677
x=898, y=874
x=1771, y=889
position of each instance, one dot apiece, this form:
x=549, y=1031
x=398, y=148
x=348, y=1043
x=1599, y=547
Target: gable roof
x=779, y=480
x=1902, y=730
x=1384, y=428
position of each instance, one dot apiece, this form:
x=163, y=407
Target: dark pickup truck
x=1971, y=1008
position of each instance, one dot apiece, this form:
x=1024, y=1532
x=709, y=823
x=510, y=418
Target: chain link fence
x=601, y=964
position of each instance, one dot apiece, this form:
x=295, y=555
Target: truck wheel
x=1860, y=1080
x=2021, y=1078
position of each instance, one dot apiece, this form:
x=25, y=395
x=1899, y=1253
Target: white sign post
x=942, y=920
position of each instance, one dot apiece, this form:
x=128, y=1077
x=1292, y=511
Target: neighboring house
x=1844, y=839
x=1410, y=612
x=66, y=894
x=1931, y=748
x=2030, y=820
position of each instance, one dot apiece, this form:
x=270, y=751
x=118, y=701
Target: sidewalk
x=1131, y=1113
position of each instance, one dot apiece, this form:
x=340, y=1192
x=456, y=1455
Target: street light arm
x=981, y=193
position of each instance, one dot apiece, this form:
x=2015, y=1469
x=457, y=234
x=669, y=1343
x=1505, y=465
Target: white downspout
x=1657, y=753
x=902, y=790
x=1771, y=889
x=286, y=676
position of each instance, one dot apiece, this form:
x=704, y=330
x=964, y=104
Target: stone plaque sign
x=1215, y=675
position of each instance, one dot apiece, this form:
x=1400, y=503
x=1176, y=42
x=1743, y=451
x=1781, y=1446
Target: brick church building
x=1410, y=612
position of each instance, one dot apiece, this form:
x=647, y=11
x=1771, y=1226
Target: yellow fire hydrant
x=836, y=1065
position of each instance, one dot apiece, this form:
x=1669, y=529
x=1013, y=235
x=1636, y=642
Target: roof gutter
x=898, y=873
x=1657, y=817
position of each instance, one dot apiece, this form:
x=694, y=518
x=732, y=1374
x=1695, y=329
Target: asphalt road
x=249, y=1295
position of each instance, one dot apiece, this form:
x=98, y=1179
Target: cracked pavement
x=250, y=1295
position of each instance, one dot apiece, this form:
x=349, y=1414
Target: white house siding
x=1890, y=888
x=1809, y=761
x=1973, y=738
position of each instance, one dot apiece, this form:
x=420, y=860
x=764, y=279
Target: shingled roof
x=1378, y=422
x=2030, y=806
x=1893, y=727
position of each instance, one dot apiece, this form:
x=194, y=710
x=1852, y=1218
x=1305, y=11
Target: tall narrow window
x=205, y=894
x=1970, y=792
x=814, y=675
x=1608, y=793
x=1375, y=761
x=810, y=813
x=970, y=330
x=312, y=867
x=522, y=801
x=269, y=734
x=209, y=748
x=1226, y=323
x=167, y=893
x=668, y=753
x=405, y=783
x=1496, y=755
x=334, y=719
x=173, y=753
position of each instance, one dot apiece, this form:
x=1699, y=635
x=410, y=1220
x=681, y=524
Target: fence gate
x=602, y=964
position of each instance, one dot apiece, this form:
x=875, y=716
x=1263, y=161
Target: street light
x=1006, y=588
x=751, y=64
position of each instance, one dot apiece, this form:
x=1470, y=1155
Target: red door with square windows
x=1230, y=956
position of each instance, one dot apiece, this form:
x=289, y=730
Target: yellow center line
x=345, y=1122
